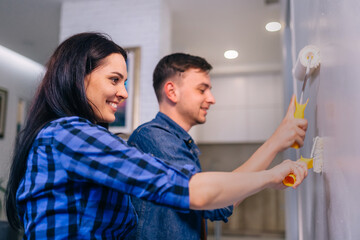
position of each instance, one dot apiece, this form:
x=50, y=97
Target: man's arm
x=290, y=130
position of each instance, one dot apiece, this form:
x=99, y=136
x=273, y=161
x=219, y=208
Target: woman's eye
x=114, y=79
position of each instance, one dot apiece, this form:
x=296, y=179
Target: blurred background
x=252, y=91
x=248, y=88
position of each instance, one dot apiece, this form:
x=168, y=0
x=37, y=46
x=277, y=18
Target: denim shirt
x=165, y=139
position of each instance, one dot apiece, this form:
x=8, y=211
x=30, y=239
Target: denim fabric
x=165, y=139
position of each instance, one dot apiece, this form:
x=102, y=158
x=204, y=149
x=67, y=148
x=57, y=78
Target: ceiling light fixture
x=10, y=58
x=231, y=54
x=273, y=26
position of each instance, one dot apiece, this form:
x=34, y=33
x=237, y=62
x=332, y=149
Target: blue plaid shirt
x=78, y=179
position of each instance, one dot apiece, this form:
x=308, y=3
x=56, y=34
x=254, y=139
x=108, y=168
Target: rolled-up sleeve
x=219, y=214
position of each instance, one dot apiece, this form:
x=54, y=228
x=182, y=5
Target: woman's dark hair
x=60, y=94
x=173, y=64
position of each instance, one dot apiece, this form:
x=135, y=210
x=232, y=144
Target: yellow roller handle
x=290, y=179
x=299, y=113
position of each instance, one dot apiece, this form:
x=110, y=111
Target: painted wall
x=328, y=202
x=262, y=214
x=19, y=76
x=249, y=107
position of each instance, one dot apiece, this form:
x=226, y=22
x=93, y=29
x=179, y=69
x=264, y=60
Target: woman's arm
x=91, y=154
x=210, y=190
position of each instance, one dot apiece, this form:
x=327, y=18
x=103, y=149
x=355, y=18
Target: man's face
x=194, y=96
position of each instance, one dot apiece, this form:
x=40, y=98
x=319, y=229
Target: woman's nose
x=122, y=92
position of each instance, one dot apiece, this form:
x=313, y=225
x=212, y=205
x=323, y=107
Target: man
x=183, y=89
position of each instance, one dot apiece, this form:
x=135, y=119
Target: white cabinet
x=248, y=109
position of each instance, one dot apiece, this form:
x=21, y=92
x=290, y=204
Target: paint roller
x=308, y=60
x=315, y=161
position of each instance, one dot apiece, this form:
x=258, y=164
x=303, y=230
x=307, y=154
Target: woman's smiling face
x=105, y=87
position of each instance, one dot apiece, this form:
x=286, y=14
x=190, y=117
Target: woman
x=71, y=178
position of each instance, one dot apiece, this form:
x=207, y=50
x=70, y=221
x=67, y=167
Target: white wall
x=328, y=202
x=248, y=108
x=145, y=24
x=19, y=76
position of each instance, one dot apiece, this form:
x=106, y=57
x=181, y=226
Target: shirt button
x=190, y=141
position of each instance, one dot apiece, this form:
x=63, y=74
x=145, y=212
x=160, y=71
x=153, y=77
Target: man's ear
x=170, y=91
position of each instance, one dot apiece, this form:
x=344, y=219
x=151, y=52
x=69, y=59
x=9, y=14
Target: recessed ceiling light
x=273, y=26
x=231, y=54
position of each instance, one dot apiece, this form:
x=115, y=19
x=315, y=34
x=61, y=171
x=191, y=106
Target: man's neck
x=176, y=117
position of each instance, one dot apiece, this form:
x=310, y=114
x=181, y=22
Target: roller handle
x=299, y=113
x=290, y=179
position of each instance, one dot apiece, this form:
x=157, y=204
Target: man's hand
x=291, y=130
x=298, y=168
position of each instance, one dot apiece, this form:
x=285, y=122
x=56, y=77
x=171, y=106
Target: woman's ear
x=86, y=81
x=170, y=91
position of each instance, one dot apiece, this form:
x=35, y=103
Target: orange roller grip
x=290, y=179
x=299, y=113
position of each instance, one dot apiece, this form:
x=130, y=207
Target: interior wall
x=19, y=76
x=249, y=107
x=328, y=202
x=262, y=214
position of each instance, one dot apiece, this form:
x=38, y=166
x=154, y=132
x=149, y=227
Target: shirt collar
x=173, y=127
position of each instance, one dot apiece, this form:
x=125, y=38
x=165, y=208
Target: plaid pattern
x=78, y=179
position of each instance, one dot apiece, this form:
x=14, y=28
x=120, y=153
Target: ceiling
x=201, y=27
